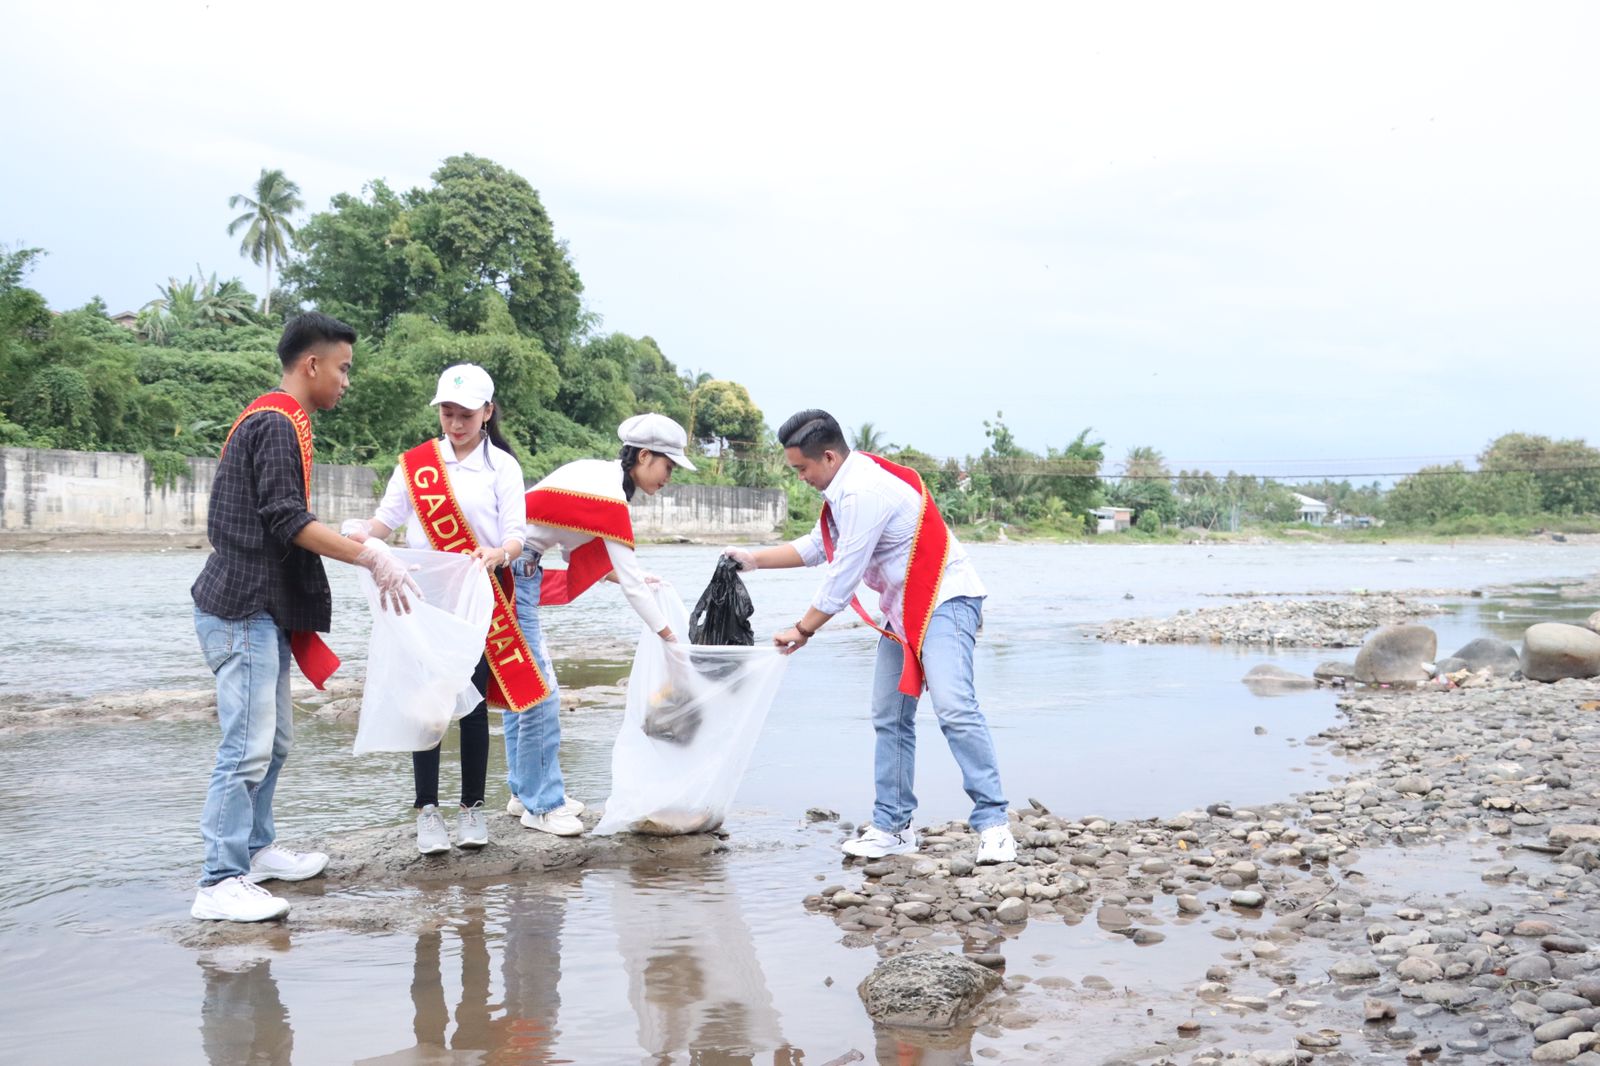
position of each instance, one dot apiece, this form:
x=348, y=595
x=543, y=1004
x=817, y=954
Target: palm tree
x=267, y=216
x=868, y=439
x=198, y=301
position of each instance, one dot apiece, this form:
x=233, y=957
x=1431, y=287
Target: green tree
x=1430, y=495
x=196, y=302
x=867, y=438
x=1567, y=472
x=266, y=221
x=724, y=412
x=480, y=233
x=1146, y=488
x=1074, y=473
x=361, y=264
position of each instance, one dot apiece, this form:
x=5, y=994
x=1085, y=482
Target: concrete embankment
x=54, y=499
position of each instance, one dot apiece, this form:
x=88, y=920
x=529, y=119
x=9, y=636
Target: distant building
x=1112, y=519
x=1311, y=512
x=126, y=319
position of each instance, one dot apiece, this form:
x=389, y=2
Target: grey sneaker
x=432, y=837
x=472, y=831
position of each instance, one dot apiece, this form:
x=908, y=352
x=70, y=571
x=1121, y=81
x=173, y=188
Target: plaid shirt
x=258, y=505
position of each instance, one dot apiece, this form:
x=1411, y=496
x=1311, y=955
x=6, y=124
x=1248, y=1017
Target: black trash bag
x=722, y=616
x=672, y=717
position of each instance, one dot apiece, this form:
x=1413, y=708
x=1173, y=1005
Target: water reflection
x=243, y=1021
x=694, y=981
x=521, y=1029
x=900, y=1047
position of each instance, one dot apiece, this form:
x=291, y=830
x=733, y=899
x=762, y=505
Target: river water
x=711, y=961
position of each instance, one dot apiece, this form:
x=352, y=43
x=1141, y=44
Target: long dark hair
x=491, y=430
x=630, y=459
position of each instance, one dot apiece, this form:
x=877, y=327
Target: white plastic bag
x=419, y=665
x=694, y=714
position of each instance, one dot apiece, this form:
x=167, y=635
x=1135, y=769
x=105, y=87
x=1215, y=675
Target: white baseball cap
x=658, y=433
x=466, y=385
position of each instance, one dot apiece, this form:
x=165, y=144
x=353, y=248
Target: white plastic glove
x=393, y=580
x=744, y=557
x=356, y=529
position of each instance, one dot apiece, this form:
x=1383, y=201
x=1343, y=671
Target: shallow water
x=710, y=962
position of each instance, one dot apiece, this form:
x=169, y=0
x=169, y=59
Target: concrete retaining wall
x=710, y=511
x=62, y=492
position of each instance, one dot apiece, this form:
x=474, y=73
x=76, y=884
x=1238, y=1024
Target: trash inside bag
x=693, y=717
x=419, y=665
x=722, y=614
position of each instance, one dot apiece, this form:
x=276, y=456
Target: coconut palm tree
x=868, y=439
x=198, y=301
x=267, y=216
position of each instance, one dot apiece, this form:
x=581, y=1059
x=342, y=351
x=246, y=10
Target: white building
x=1311, y=512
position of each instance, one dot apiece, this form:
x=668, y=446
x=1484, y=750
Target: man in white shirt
x=872, y=517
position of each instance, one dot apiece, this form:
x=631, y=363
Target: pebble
x=1355, y=970
x=1559, y=1029
x=1556, y=1051
x=1561, y=1002
x=1012, y=911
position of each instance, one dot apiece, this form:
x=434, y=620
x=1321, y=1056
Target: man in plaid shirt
x=263, y=582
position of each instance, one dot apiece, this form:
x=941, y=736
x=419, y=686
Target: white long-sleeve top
x=598, y=477
x=875, y=521
x=487, y=484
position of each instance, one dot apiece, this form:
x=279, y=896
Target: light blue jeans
x=533, y=737
x=947, y=662
x=250, y=658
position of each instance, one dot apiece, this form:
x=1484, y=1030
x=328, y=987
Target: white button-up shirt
x=875, y=521
x=487, y=485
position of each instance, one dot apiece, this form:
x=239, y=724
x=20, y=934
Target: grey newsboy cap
x=658, y=433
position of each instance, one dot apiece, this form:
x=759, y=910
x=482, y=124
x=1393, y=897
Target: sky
x=1293, y=240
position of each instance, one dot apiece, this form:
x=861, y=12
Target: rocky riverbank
x=1329, y=623
x=1441, y=901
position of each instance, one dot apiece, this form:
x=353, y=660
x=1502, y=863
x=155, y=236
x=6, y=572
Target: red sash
x=315, y=659
x=602, y=517
x=930, y=550
x=515, y=680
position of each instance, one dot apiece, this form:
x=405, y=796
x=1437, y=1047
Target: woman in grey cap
x=582, y=508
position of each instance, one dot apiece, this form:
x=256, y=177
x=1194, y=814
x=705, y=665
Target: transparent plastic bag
x=419, y=665
x=693, y=717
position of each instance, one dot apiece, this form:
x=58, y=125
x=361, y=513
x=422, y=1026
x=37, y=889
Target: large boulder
x=1594, y=622
x=925, y=990
x=1554, y=650
x=1265, y=679
x=1396, y=655
x=1334, y=670
x=1485, y=653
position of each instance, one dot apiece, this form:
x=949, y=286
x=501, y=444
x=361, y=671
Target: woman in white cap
x=465, y=477
x=581, y=507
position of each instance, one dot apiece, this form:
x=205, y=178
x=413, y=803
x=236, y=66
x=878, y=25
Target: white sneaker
x=996, y=844
x=568, y=806
x=554, y=822
x=875, y=843
x=471, y=829
x=273, y=863
x=237, y=900
x=432, y=837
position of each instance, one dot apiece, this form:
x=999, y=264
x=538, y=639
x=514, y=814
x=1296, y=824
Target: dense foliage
x=469, y=269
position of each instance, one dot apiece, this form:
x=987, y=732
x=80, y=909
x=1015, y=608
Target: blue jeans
x=250, y=658
x=533, y=737
x=947, y=662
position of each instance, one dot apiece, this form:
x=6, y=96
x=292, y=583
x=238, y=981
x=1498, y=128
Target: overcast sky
x=1269, y=236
